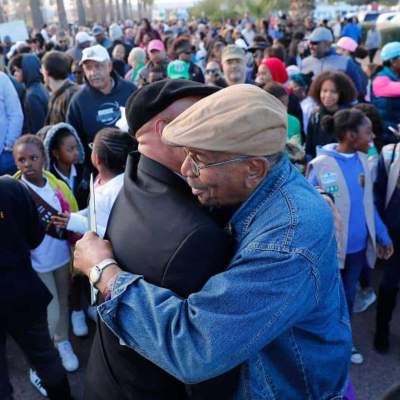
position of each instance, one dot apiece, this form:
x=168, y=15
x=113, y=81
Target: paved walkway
x=370, y=379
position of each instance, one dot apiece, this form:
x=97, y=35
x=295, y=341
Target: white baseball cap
x=95, y=53
x=82, y=37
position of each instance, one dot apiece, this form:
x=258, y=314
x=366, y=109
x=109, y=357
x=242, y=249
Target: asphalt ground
x=371, y=379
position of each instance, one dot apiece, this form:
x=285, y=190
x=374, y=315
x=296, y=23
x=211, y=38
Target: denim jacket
x=278, y=310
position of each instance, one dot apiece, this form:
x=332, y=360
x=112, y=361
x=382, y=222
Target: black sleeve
x=310, y=145
x=380, y=187
x=207, y=251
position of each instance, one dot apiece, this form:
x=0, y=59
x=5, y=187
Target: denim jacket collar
x=243, y=217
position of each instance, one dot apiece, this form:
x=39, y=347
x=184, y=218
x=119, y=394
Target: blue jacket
x=388, y=107
x=353, y=31
x=334, y=62
x=36, y=95
x=279, y=309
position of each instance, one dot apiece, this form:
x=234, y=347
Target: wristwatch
x=97, y=270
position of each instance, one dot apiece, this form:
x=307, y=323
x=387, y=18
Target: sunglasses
x=212, y=71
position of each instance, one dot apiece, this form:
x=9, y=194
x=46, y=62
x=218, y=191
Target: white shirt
x=105, y=196
x=52, y=253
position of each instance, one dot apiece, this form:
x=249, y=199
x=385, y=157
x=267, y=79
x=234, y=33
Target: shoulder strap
x=46, y=211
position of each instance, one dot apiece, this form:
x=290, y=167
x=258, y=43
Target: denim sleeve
x=312, y=177
x=235, y=315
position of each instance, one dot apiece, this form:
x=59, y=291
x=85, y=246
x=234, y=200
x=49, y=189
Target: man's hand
x=89, y=251
x=384, y=252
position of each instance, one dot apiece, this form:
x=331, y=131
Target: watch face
x=94, y=275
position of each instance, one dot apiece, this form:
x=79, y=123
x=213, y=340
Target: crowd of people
x=246, y=114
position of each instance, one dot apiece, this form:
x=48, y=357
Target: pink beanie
x=347, y=43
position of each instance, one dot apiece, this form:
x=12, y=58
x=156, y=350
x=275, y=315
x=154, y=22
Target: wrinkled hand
x=89, y=251
x=384, y=252
x=61, y=220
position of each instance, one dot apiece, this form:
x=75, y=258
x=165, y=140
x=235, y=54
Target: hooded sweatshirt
x=353, y=171
x=80, y=183
x=90, y=110
x=36, y=96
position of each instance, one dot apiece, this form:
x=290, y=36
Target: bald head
x=149, y=135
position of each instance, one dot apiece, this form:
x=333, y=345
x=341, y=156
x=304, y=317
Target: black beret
x=150, y=100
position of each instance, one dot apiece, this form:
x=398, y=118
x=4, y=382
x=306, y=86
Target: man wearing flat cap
x=233, y=60
x=279, y=309
x=158, y=230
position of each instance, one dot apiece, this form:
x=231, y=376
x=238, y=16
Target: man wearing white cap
x=279, y=308
x=234, y=64
x=97, y=104
x=324, y=58
x=82, y=41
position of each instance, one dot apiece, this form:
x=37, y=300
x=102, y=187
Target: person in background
x=349, y=47
x=82, y=41
x=77, y=75
x=136, y=60
x=178, y=69
x=51, y=259
x=157, y=58
x=56, y=67
x=213, y=75
x=100, y=37
x=26, y=69
x=352, y=29
x=118, y=60
x=324, y=58
x=183, y=50
x=11, y=122
x=331, y=91
x=146, y=30
x=342, y=170
x=24, y=296
x=387, y=198
x=385, y=94
x=233, y=64
x=294, y=126
x=299, y=84
x=373, y=42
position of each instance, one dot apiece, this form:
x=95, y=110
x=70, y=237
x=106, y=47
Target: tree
x=118, y=10
x=37, y=16
x=62, y=15
x=299, y=10
x=81, y=13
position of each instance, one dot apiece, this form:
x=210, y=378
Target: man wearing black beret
x=157, y=229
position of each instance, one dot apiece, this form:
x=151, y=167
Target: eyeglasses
x=196, y=168
x=212, y=71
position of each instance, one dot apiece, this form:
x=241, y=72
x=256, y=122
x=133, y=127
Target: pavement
x=371, y=379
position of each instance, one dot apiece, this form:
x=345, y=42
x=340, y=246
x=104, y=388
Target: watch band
x=98, y=270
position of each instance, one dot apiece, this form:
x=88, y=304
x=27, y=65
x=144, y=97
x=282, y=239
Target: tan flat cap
x=232, y=52
x=240, y=119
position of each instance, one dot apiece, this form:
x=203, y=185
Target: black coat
x=23, y=296
x=158, y=230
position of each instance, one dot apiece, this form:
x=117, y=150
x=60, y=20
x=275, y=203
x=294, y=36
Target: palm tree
x=62, y=15
x=81, y=13
x=37, y=16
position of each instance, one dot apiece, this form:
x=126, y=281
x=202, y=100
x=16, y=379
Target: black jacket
x=157, y=230
x=23, y=296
